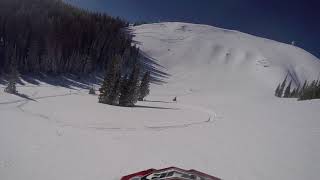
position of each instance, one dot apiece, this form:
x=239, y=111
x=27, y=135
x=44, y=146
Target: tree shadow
x=154, y=107
x=69, y=81
x=86, y=81
x=158, y=74
x=157, y=71
x=158, y=101
x=30, y=80
x=24, y=96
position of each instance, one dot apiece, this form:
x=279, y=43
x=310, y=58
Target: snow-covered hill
x=226, y=121
x=214, y=55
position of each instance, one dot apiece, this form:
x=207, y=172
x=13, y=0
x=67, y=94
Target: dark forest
x=50, y=36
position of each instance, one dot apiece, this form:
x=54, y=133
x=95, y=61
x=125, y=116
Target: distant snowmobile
x=175, y=99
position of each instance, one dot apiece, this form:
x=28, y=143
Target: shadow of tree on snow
x=155, y=107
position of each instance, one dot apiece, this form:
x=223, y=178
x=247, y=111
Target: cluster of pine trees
x=51, y=36
x=122, y=89
x=306, y=92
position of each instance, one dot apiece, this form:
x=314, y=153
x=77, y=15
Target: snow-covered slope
x=226, y=121
x=214, y=55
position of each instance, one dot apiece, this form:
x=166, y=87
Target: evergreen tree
x=277, y=91
x=313, y=89
x=103, y=91
x=305, y=84
x=124, y=91
x=109, y=85
x=144, y=87
x=296, y=92
x=92, y=90
x=287, y=91
x=305, y=91
x=318, y=90
x=14, y=74
x=293, y=93
x=134, y=85
x=283, y=85
x=13, y=77
x=130, y=93
x=115, y=93
x=33, y=57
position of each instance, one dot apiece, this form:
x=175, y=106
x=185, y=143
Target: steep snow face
x=215, y=55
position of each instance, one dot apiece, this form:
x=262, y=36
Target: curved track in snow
x=211, y=118
x=211, y=115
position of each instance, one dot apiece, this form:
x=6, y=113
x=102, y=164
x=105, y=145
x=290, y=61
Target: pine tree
x=14, y=74
x=283, y=85
x=134, y=85
x=109, y=84
x=313, y=89
x=318, y=90
x=33, y=57
x=11, y=88
x=115, y=93
x=277, y=91
x=88, y=66
x=92, y=90
x=305, y=84
x=304, y=93
x=287, y=91
x=293, y=93
x=124, y=91
x=144, y=87
x=103, y=91
x=129, y=90
x=297, y=91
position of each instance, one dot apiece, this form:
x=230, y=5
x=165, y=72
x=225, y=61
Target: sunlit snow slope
x=220, y=59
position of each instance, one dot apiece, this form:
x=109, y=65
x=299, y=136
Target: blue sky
x=281, y=20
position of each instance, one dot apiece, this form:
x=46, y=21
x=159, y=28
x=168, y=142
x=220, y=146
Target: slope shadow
x=158, y=101
x=69, y=81
x=154, y=107
x=24, y=96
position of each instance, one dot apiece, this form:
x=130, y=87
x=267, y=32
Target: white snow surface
x=226, y=121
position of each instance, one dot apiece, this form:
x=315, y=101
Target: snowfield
x=226, y=122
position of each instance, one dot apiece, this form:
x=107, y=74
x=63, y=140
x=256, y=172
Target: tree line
x=51, y=36
x=306, y=92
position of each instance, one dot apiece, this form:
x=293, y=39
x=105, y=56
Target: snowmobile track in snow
x=36, y=98
x=23, y=102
